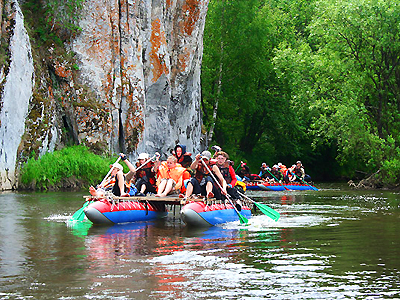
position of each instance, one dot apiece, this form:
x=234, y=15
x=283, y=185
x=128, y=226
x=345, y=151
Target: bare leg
x=161, y=188
x=209, y=187
x=189, y=190
x=168, y=188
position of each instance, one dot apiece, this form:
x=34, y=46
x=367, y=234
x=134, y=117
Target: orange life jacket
x=173, y=173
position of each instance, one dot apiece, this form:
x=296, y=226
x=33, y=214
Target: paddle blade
x=79, y=214
x=266, y=210
x=242, y=219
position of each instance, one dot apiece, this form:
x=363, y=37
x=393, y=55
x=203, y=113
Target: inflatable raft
x=293, y=186
x=118, y=210
x=201, y=214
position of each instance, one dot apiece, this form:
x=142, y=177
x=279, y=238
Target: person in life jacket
x=228, y=173
x=183, y=158
x=169, y=177
x=202, y=183
x=284, y=170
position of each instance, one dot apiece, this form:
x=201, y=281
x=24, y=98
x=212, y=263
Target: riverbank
x=72, y=168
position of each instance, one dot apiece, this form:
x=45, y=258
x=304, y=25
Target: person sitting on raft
x=146, y=176
x=298, y=171
x=265, y=172
x=119, y=188
x=277, y=175
x=228, y=173
x=244, y=172
x=169, y=177
x=285, y=172
x=183, y=158
x=202, y=182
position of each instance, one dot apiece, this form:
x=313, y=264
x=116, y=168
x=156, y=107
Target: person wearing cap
x=265, y=172
x=146, y=176
x=285, y=172
x=119, y=188
x=115, y=182
x=202, y=183
x=276, y=173
x=169, y=177
x=297, y=171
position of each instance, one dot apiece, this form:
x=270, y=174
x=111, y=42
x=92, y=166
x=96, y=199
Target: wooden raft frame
x=172, y=200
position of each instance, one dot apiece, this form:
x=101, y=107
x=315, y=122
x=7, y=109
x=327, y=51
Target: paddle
x=79, y=214
x=313, y=187
x=266, y=210
x=146, y=162
x=238, y=166
x=242, y=219
x=277, y=180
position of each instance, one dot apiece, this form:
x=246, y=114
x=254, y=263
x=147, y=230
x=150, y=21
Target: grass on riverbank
x=70, y=168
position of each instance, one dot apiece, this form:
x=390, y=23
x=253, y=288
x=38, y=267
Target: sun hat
x=206, y=154
x=143, y=156
x=117, y=166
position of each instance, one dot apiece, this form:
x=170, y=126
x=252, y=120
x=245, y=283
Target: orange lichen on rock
x=157, y=40
x=61, y=70
x=191, y=14
x=183, y=58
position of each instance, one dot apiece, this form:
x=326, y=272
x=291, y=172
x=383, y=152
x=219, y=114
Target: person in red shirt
x=227, y=172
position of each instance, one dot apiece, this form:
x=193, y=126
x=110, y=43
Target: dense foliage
x=71, y=167
x=312, y=80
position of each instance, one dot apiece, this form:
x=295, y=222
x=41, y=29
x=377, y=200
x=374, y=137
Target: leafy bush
x=76, y=163
x=390, y=172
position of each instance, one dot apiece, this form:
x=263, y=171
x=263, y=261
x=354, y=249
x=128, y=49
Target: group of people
x=207, y=175
x=280, y=173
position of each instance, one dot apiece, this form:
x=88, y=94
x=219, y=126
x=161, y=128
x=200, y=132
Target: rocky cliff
x=127, y=80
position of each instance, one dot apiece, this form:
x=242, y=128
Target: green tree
x=238, y=74
x=345, y=79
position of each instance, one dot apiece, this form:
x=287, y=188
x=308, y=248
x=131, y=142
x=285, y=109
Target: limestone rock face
x=132, y=85
x=17, y=81
x=143, y=60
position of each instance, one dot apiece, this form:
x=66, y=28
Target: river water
x=334, y=243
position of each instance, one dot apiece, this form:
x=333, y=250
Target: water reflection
x=12, y=235
x=328, y=245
